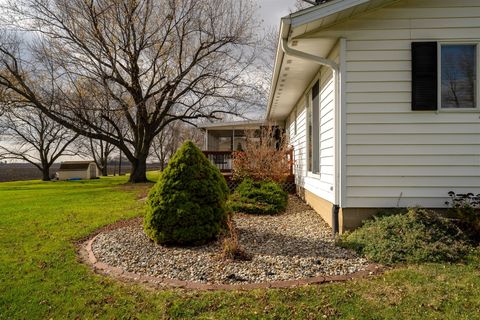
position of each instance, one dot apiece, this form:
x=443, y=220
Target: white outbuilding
x=74, y=170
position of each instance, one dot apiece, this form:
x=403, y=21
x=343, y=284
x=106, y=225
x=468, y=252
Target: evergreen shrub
x=187, y=206
x=258, y=197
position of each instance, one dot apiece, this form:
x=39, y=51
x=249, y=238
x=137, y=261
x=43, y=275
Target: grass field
x=40, y=277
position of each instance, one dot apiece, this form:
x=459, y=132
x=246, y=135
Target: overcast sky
x=272, y=10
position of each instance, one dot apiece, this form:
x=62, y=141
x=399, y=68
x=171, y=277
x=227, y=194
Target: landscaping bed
x=42, y=279
x=294, y=245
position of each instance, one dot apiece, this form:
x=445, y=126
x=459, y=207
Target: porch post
x=205, y=140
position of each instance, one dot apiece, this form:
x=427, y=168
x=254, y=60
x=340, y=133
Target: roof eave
x=232, y=124
x=284, y=33
x=321, y=11
x=296, y=20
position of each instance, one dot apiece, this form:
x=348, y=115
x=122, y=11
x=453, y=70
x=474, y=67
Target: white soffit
x=295, y=75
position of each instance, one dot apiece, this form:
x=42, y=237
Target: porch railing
x=221, y=159
x=224, y=160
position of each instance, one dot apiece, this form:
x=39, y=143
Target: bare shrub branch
x=265, y=156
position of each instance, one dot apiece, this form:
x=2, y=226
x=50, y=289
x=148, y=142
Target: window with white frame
x=309, y=136
x=313, y=116
x=444, y=76
x=458, y=76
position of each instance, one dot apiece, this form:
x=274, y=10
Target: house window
x=314, y=130
x=444, y=76
x=458, y=65
x=310, y=135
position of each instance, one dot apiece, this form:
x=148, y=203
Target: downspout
x=307, y=56
x=335, y=226
x=336, y=73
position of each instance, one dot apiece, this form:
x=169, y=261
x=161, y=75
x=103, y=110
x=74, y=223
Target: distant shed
x=84, y=170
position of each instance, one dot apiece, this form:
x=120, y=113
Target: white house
x=84, y=170
x=380, y=99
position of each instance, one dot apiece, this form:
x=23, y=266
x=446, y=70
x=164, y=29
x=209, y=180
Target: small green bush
x=258, y=197
x=466, y=208
x=187, y=206
x=416, y=236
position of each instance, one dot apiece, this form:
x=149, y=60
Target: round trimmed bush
x=187, y=206
x=258, y=197
x=416, y=236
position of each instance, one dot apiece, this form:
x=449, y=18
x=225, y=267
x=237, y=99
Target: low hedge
x=415, y=236
x=258, y=197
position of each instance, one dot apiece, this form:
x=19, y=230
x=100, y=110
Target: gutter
x=337, y=79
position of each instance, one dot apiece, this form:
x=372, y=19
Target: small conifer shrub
x=187, y=206
x=258, y=197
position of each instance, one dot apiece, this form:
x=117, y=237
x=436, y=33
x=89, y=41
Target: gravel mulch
x=294, y=245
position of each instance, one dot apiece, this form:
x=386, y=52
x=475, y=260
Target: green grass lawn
x=40, y=277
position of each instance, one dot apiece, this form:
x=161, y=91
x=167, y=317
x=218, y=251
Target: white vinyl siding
x=298, y=141
x=396, y=156
x=321, y=184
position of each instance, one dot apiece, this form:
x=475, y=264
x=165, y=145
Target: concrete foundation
x=349, y=218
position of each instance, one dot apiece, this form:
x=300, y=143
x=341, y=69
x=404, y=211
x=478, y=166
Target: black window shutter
x=424, y=76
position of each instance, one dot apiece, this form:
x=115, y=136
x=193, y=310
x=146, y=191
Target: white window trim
x=439, y=81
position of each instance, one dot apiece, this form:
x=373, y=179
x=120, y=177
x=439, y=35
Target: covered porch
x=222, y=139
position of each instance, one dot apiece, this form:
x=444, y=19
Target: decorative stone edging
x=88, y=257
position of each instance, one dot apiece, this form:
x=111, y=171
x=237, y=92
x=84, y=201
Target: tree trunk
x=105, y=170
x=138, y=173
x=46, y=173
x=104, y=167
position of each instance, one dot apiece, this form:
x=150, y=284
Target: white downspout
x=307, y=56
x=336, y=73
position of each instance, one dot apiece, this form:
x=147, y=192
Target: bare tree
x=156, y=61
x=29, y=136
x=265, y=62
x=170, y=139
x=101, y=151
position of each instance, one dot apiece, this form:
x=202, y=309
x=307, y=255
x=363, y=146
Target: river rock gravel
x=294, y=245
